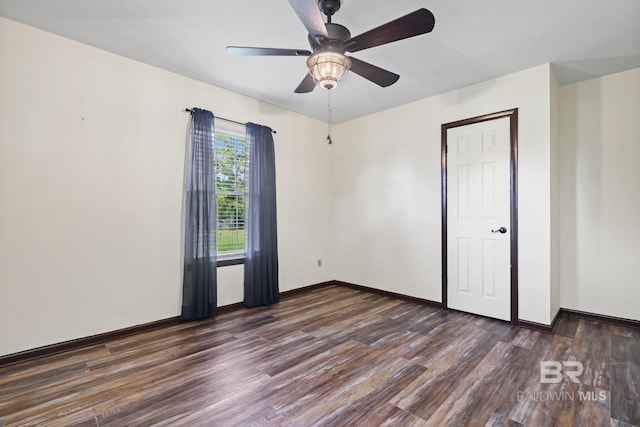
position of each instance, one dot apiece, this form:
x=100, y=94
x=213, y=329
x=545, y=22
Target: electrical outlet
x=319, y=263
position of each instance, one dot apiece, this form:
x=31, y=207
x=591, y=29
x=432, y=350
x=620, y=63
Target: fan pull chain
x=329, y=121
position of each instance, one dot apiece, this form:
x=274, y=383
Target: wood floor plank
x=567, y=326
x=526, y=338
x=592, y=347
x=302, y=387
x=499, y=420
x=527, y=408
x=334, y=356
x=593, y=411
x=366, y=383
x=389, y=415
x=35, y=366
x=461, y=405
x=84, y=418
x=42, y=378
x=432, y=389
x=625, y=383
x=618, y=423
x=624, y=332
x=378, y=396
x=515, y=407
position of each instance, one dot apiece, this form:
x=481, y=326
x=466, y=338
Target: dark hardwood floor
x=334, y=356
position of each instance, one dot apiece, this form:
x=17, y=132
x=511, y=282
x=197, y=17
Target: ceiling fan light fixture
x=327, y=68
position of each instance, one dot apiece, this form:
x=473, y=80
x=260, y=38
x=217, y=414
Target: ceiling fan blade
x=377, y=75
x=311, y=17
x=266, y=51
x=307, y=85
x=419, y=22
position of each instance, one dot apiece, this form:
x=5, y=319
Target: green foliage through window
x=232, y=167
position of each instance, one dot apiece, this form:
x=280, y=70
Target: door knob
x=500, y=230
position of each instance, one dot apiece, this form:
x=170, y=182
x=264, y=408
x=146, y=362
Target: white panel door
x=478, y=219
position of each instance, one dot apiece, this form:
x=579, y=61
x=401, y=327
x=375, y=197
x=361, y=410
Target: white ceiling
x=472, y=41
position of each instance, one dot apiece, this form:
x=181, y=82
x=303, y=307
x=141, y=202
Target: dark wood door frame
x=512, y=114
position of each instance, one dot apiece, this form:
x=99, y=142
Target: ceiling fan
x=327, y=61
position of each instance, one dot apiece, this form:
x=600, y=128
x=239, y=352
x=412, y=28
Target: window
x=232, y=167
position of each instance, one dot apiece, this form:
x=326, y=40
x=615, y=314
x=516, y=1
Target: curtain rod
x=189, y=110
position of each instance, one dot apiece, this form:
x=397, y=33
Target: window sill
x=230, y=261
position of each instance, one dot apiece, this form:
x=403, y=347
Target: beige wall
x=91, y=172
x=600, y=164
x=387, y=222
x=556, y=218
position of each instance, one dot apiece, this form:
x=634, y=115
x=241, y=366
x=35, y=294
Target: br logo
x=552, y=372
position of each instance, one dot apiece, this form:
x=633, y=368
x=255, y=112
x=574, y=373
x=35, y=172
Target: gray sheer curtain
x=199, y=290
x=261, y=262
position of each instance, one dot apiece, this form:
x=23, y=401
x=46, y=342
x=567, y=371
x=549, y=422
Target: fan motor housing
x=329, y=7
x=338, y=32
x=337, y=35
